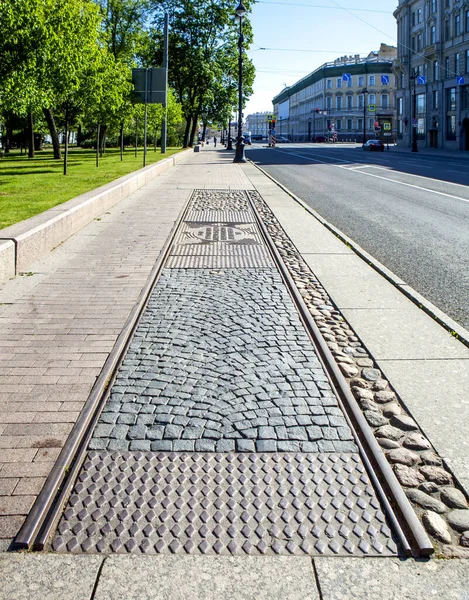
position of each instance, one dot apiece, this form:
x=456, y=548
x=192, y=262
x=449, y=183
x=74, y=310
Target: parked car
x=281, y=138
x=374, y=146
x=247, y=137
x=320, y=138
x=257, y=137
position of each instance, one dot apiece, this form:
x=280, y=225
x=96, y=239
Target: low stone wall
x=25, y=242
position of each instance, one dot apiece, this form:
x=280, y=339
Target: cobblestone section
x=224, y=504
x=429, y=485
x=221, y=362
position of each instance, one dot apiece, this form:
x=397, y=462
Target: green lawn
x=31, y=186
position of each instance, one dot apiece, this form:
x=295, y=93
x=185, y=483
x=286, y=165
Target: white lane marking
x=418, y=187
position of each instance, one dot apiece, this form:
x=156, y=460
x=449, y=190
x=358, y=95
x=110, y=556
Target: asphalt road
x=409, y=211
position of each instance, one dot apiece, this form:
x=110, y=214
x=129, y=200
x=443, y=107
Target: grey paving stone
x=207, y=578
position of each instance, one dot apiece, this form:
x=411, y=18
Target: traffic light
x=317, y=110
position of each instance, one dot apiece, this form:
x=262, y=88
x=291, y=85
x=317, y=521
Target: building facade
x=433, y=65
x=346, y=100
x=258, y=124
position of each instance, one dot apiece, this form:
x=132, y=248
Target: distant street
x=409, y=211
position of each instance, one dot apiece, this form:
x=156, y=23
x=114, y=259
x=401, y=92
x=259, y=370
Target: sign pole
x=165, y=66
x=145, y=121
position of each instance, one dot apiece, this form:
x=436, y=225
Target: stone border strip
x=25, y=242
x=428, y=483
x=456, y=330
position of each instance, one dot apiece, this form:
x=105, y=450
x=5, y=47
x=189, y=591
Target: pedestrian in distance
x=215, y=141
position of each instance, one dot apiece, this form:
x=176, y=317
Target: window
x=361, y=81
x=371, y=80
x=350, y=82
x=349, y=102
x=456, y=63
x=436, y=69
x=349, y=124
x=414, y=18
x=432, y=34
x=360, y=124
x=420, y=103
x=451, y=127
x=371, y=99
x=402, y=80
x=360, y=101
x=339, y=82
x=446, y=3
x=436, y=100
x=400, y=106
x=412, y=43
x=466, y=18
x=447, y=67
x=329, y=84
x=329, y=102
x=371, y=123
x=338, y=125
x=451, y=99
x=457, y=24
x=434, y=6
x=419, y=15
x=446, y=30
x=338, y=102
x=384, y=101
x=467, y=61
x=419, y=42
x=465, y=97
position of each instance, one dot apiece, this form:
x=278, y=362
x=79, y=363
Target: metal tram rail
x=44, y=515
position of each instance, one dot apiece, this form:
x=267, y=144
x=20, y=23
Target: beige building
x=343, y=100
x=257, y=123
x=433, y=64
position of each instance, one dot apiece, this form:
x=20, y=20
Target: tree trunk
x=66, y=141
x=204, y=131
x=9, y=136
x=30, y=135
x=187, y=132
x=122, y=140
x=103, y=139
x=79, y=136
x=194, y=127
x=53, y=132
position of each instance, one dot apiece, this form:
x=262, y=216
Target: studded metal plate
x=249, y=258
x=290, y=504
x=219, y=216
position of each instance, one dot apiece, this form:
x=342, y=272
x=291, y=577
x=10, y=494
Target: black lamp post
x=364, y=92
x=413, y=78
x=239, y=154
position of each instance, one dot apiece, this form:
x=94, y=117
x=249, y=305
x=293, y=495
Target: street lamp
x=239, y=154
x=364, y=92
x=413, y=78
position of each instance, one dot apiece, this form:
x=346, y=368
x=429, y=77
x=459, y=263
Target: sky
x=301, y=35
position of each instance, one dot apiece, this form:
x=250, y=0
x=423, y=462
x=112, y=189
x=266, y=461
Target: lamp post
x=364, y=92
x=413, y=78
x=239, y=154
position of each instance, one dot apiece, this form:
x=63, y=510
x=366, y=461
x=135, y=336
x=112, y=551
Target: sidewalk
x=60, y=323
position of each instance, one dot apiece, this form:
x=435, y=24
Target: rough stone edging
x=23, y=243
x=428, y=483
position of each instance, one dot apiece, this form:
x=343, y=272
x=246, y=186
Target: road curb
x=445, y=321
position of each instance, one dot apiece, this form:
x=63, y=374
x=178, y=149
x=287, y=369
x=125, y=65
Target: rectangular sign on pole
x=153, y=81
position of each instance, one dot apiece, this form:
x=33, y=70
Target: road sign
x=269, y=117
x=371, y=107
x=387, y=126
x=272, y=131
x=385, y=79
x=421, y=80
x=460, y=80
x=387, y=133
x=346, y=77
x=150, y=85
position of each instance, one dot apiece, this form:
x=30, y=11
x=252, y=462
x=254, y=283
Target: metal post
x=164, y=125
x=66, y=140
x=413, y=77
x=314, y=126
x=239, y=155
x=97, y=146
x=136, y=135
x=145, y=120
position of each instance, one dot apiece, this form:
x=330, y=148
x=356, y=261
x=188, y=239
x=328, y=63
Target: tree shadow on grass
x=13, y=173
